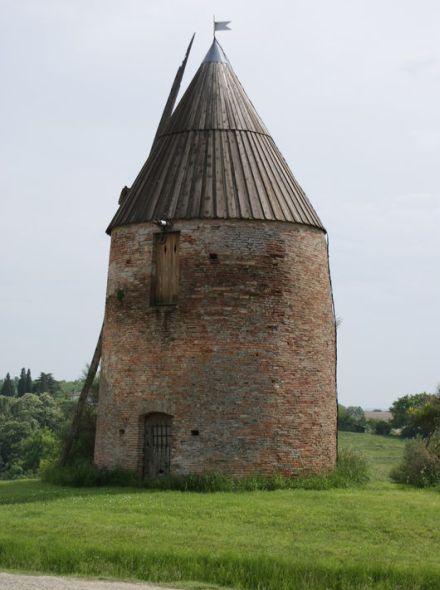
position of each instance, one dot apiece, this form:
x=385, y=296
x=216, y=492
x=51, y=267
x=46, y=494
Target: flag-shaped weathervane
x=221, y=25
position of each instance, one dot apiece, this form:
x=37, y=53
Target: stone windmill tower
x=218, y=350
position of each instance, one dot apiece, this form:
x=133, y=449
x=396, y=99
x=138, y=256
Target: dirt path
x=22, y=582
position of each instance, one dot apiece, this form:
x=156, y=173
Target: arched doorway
x=157, y=445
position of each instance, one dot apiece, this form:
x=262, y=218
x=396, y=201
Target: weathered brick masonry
x=246, y=357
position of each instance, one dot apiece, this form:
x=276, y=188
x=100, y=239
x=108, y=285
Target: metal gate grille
x=157, y=445
x=162, y=444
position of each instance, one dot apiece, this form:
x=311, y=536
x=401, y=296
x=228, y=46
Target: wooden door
x=166, y=279
x=157, y=448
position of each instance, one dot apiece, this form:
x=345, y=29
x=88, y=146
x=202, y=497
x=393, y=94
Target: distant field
x=380, y=537
x=378, y=415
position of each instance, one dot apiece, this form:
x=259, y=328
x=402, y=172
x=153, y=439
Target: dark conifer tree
x=21, y=385
x=8, y=386
x=52, y=383
x=29, y=384
x=40, y=383
x=45, y=384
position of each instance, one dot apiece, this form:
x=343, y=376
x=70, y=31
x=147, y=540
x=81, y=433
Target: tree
x=29, y=384
x=351, y=419
x=425, y=420
x=45, y=384
x=21, y=385
x=8, y=387
x=381, y=427
x=12, y=433
x=41, y=444
x=30, y=430
x=403, y=409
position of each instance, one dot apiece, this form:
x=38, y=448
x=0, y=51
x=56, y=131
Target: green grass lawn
x=382, y=536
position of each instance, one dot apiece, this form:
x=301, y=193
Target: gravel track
x=24, y=582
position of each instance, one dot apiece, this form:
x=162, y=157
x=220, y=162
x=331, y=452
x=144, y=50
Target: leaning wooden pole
x=169, y=106
x=74, y=428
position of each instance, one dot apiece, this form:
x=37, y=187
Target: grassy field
x=383, y=452
x=381, y=536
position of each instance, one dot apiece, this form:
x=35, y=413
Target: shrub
x=381, y=427
x=351, y=470
x=85, y=474
x=420, y=465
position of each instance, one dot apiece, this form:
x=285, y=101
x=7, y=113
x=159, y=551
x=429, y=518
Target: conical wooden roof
x=214, y=158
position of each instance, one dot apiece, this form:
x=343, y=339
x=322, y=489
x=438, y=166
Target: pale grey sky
x=350, y=92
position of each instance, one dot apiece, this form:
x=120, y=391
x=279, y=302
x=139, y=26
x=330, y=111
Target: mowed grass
x=381, y=536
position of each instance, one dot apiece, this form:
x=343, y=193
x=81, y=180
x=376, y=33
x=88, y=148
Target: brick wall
x=247, y=357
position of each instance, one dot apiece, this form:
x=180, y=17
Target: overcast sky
x=350, y=91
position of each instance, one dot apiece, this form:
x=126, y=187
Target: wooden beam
x=76, y=421
x=173, y=94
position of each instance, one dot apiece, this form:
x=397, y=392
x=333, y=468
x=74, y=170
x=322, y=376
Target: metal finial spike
x=215, y=54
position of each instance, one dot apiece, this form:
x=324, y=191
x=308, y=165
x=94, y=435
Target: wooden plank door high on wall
x=166, y=268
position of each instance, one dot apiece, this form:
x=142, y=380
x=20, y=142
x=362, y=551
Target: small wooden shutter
x=166, y=268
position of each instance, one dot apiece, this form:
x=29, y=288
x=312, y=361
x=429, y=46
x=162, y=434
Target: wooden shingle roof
x=214, y=158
